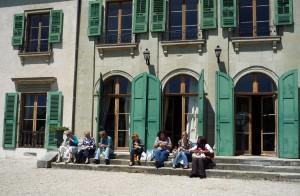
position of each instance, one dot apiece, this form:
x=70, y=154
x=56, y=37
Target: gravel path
x=21, y=177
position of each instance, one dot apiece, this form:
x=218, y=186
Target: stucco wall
x=62, y=65
x=260, y=54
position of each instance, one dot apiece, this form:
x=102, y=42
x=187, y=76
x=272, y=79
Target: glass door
x=268, y=121
x=33, y=120
x=243, y=125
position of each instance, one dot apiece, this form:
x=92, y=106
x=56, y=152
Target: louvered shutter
x=56, y=25
x=208, y=14
x=283, y=12
x=95, y=18
x=54, y=109
x=10, y=120
x=158, y=15
x=228, y=13
x=140, y=19
x=18, y=31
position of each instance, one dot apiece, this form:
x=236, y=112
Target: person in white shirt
x=202, y=155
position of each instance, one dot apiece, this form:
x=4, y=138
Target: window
x=254, y=18
x=180, y=106
x=116, y=109
x=37, y=33
x=119, y=22
x=33, y=120
x=183, y=19
x=34, y=31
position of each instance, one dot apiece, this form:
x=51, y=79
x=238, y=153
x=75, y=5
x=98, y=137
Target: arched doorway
x=256, y=115
x=116, y=110
x=180, y=107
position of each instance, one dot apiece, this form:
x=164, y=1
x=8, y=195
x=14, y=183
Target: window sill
x=47, y=55
x=130, y=46
x=236, y=41
x=178, y=43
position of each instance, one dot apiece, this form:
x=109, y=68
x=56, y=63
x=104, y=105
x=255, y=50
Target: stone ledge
x=130, y=46
x=198, y=42
x=45, y=161
x=47, y=55
x=236, y=41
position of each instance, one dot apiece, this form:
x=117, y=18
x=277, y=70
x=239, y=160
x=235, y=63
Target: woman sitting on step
x=87, y=150
x=136, y=149
x=202, y=156
x=182, y=153
x=73, y=146
x=162, y=147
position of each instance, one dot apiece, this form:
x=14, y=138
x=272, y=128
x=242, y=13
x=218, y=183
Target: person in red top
x=202, y=155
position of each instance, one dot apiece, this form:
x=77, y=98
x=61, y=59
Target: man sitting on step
x=105, y=148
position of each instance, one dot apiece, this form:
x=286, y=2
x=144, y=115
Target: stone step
x=255, y=175
x=224, y=166
x=250, y=160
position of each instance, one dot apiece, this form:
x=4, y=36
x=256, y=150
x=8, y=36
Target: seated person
x=88, y=148
x=136, y=149
x=202, y=155
x=73, y=146
x=62, y=150
x=182, y=153
x=162, y=147
x=105, y=148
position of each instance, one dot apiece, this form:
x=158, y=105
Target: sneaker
x=96, y=161
x=185, y=167
x=75, y=160
x=107, y=162
x=130, y=163
x=156, y=163
x=87, y=161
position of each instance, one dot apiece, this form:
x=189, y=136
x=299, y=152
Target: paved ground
x=21, y=177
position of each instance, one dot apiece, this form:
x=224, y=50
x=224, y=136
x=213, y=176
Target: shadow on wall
x=151, y=69
x=11, y=3
x=222, y=67
x=209, y=123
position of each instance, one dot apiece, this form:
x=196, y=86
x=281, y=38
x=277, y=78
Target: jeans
x=137, y=152
x=161, y=156
x=181, y=156
x=105, y=151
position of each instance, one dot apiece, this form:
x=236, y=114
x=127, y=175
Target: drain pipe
x=76, y=63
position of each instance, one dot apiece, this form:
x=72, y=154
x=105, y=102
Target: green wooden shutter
x=228, y=13
x=225, y=138
x=138, y=105
x=140, y=19
x=99, y=112
x=283, y=12
x=201, y=101
x=158, y=15
x=208, y=14
x=288, y=115
x=95, y=18
x=153, y=110
x=56, y=25
x=18, y=31
x=10, y=120
x=54, y=109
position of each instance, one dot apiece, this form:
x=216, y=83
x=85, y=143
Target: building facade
x=244, y=100
x=37, y=73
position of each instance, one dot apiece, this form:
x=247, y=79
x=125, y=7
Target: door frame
x=268, y=94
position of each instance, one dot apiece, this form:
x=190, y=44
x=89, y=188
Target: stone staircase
x=239, y=167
